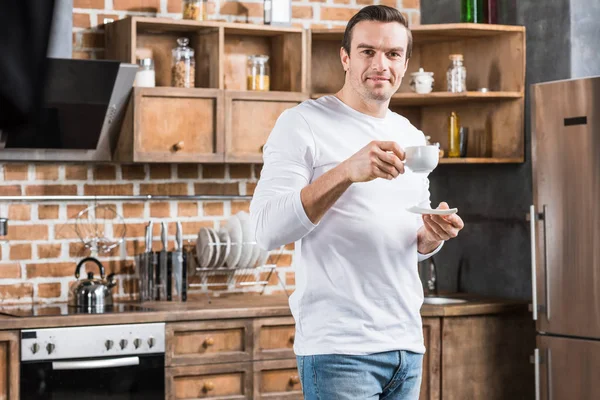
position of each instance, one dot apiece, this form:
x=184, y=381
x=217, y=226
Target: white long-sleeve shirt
x=357, y=286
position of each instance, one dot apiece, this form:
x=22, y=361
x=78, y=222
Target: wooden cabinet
x=9, y=365
x=277, y=379
x=430, y=382
x=274, y=338
x=215, y=381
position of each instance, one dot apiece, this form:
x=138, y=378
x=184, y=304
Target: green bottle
x=471, y=11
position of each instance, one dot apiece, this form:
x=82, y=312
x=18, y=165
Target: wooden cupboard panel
x=209, y=342
x=9, y=365
x=325, y=65
x=274, y=338
x=218, y=381
x=430, y=382
x=277, y=379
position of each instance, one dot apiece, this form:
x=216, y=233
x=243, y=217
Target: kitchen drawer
x=274, y=338
x=218, y=381
x=196, y=343
x=277, y=379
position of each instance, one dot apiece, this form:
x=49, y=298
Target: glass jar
x=145, y=76
x=195, y=10
x=457, y=74
x=183, y=69
x=258, y=73
x=472, y=11
x=453, y=135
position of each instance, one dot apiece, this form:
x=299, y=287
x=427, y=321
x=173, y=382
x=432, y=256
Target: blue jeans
x=392, y=375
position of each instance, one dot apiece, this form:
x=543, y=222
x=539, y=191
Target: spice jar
x=183, y=69
x=258, y=73
x=456, y=75
x=195, y=10
x=453, y=135
x=145, y=76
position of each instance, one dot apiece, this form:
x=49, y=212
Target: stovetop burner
x=63, y=309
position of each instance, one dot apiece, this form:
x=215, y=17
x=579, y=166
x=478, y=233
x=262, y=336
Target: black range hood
x=83, y=106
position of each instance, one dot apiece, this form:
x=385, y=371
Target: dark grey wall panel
x=585, y=38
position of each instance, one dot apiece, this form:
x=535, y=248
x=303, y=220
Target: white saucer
x=421, y=210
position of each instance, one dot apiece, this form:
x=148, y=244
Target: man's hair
x=377, y=13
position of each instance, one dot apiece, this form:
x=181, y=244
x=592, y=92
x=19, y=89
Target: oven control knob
x=35, y=348
x=151, y=342
x=108, y=344
x=123, y=344
x=137, y=343
x=50, y=348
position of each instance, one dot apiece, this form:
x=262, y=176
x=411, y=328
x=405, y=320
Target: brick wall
x=38, y=261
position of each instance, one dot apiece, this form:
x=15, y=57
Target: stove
x=63, y=309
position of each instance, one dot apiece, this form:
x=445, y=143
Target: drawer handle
x=294, y=380
x=178, y=146
x=208, y=386
x=292, y=338
x=208, y=342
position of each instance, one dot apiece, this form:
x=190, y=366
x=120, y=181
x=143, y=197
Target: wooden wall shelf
x=481, y=160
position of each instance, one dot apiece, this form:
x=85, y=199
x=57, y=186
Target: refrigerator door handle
x=546, y=271
x=532, y=219
x=549, y=372
x=536, y=362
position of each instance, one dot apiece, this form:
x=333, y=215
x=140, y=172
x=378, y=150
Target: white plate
x=248, y=238
x=262, y=257
x=216, y=244
x=225, y=247
x=422, y=210
x=204, y=249
x=234, y=228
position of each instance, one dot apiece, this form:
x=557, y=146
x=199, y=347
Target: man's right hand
x=378, y=159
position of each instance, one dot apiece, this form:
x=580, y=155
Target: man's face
x=377, y=60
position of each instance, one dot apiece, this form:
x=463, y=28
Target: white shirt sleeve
x=425, y=203
x=276, y=211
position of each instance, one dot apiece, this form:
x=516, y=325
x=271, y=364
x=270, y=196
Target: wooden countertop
x=239, y=306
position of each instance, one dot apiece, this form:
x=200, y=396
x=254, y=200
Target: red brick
x=47, y=211
x=290, y=246
x=213, y=209
x=65, y=231
x=79, y=250
x=240, y=171
x=242, y=9
x=415, y=19
x=160, y=171
x=302, y=12
x=81, y=20
x=102, y=17
x=76, y=172
x=290, y=278
x=192, y=228
x=348, y=1
x=88, y=4
x=364, y=2
x=414, y=4
x=336, y=13
x=16, y=172
x=92, y=40
x=108, y=190
x=16, y=292
x=133, y=210
x=46, y=172
x=187, y=171
x=217, y=188
x=74, y=209
x=104, y=172
x=152, y=6
x=164, y=189
x=27, y=232
x=187, y=209
x=49, y=250
x=51, y=190
x=20, y=251
x=10, y=271
x=49, y=290
x=213, y=171
x=160, y=210
x=19, y=212
x=174, y=6
x=133, y=172
x=237, y=206
x=50, y=270
x=10, y=190
x=283, y=260
x=118, y=267
x=250, y=187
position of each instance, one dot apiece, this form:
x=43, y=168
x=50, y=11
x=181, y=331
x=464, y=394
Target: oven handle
x=94, y=364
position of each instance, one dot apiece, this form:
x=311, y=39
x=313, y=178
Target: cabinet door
x=165, y=124
x=277, y=379
x=9, y=365
x=231, y=381
x=195, y=343
x=274, y=338
x=250, y=117
x=430, y=383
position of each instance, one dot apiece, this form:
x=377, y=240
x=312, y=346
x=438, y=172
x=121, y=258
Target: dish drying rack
x=236, y=277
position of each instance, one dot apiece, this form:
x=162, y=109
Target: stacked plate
x=233, y=246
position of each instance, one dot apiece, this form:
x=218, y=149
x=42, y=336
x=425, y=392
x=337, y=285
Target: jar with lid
x=457, y=74
x=183, y=70
x=145, y=76
x=195, y=10
x=258, y=73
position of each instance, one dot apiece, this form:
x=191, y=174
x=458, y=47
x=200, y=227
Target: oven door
x=117, y=378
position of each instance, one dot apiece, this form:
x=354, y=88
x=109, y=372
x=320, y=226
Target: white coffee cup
x=422, y=158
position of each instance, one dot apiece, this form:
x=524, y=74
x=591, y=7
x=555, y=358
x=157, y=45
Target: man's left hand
x=438, y=228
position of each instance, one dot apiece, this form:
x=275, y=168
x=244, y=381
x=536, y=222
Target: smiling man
x=334, y=182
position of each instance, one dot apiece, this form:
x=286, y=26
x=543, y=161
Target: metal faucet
x=430, y=276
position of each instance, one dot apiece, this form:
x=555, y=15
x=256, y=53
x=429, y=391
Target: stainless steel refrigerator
x=565, y=234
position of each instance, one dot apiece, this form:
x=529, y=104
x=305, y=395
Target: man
x=334, y=183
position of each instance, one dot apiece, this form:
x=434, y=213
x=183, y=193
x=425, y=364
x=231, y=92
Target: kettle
x=91, y=294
